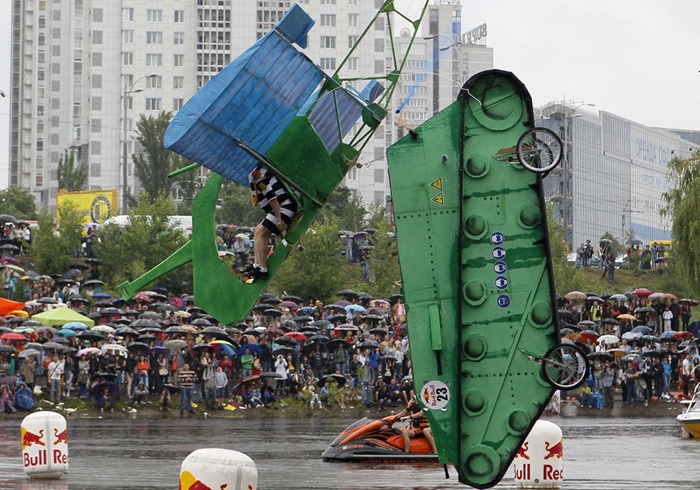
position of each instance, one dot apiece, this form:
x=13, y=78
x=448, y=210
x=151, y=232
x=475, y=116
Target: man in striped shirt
x=186, y=378
x=280, y=209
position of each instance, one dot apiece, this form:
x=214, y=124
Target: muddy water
x=599, y=453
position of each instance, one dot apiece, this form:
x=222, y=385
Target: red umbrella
x=683, y=335
x=669, y=296
x=656, y=295
x=12, y=336
x=641, y=292
x=298, y=336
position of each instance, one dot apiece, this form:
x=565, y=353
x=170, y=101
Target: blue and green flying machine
x=470, y=219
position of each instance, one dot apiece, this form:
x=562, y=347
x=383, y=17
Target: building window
x=154, y=82
x=128, y=14
x=177, y=104
x=353, y=20
x=96, y=59
x=353, y=3
x=153, y=59
x=179, y=60
x=128, y=59
x=96, y=37
x=96, y=103
x=327, y=2
x=154, y=37
x=96, y=81
x=95, y=170
x=352, y=64
x=97, y=15
x=179, y=38
x=179, y=16
x=328, y=63
x=178, y=82
x=128, y=37
x=152, y=104
x=328, y=41
x=378, y=176
x=327, y=20
x=96, y=126
x=153, y=15
x=379, y=45
x=352, y=40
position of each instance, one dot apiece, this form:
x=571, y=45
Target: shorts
x=287, y=212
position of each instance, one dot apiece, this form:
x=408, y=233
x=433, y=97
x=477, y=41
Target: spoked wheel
x=565, y=366
x=539, y=150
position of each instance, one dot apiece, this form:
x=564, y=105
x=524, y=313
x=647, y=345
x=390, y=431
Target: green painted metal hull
x=476, y=273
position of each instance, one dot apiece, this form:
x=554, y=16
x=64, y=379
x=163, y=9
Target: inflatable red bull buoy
x=539, y=461
x=218, y=469
x=44, y=437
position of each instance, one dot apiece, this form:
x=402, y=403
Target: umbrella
x=346, y=292
x=565, y=331
x=338, y=378
x=142, y=323
x=318, y=338
x=302, y=319
x=649, y=338
x=643, y=329
x=272, y=312
x=298, y=336
x=657, y=353
x=284, y=351
x=55, y=345
x=587, y=324
x=355, y=309
x=201, y=322
x=601, y=356
x=683, y=335
x=175, y=330
x=7, y=349
x=93, y=283
x=641, y=292
x=608, y=339
x=12, y=336
x=379, y=331
x=150, y=315
x=88, y=350
x=100, y=387
x=311, y=347
x=575, y=296
x=138, y=346
x=115, y=348
x=223, y=346
x=610, y=321
x=632, y=335
x=346, y=327
x=334, y=307
x=617, y=297
x=293, y=299
x=150, y=330
x=271, y=375
x=159, y=349
x=589, y=335
x=90, y=335
x=28, y=353
x=307, y=310
x=251, y=347
x=632, y=357
x=104, y=329
x=669, y=296
x=285, y=340
x=288, y=304
x=66, y=332
x=127, y=332
x=626, y=316
x=604, y=240
x=175, y=344
x=594, y=298
x=645, y=309
x=337, y=318
x=656, y=295
x=370, y=344
x=216, y=332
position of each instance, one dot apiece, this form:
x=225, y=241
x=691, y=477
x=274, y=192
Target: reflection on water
x=599, y=453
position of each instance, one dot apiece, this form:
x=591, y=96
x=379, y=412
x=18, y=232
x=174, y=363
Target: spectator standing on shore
x=186, y=379
x=246, y=364
x=675, y=309
x=667, y=316
x=685, y=374
x=608, y=379
x=220, y=383
x=55, y=370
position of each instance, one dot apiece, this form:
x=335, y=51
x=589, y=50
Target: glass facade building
x=612, y=177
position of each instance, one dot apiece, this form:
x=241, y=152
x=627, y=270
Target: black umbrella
x=127, y=332
x=610, y=321
x=145, y=323
x=285, y=341
x=148, y=330
x=272, y=312
x=90, y=335
x=601, y=356
x=72, y=274
x=346, y=292
x=138, y=346
x=201, y=322
x=111, y=310
x=284, y=351
x=309, y=348
x=643, y=329
x=334, y=307
x=53, y=345
x=337, y=318
x=565, y=331
x=150, y=315
x=175, y=330
x=337, y=378
x=369, y=344
x=78, y=265
x=7, y=349
x=146, y=337
x=99, y=388
x=318, y=338
x=263, y=306
x=271, y=375
x=379, y=331
x=47, y=300
x=252, y=331
x=216, y=332
x=645, y=309
x=335, y=343
x=302, y=319
x=8, y=218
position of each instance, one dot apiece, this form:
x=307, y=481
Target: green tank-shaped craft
x=472, y=237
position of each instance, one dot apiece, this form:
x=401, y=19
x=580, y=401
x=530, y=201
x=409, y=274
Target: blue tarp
x=251, y=101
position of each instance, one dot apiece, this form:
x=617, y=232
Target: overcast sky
x=635, y=58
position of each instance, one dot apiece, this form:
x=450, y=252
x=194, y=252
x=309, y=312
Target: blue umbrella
x=228, y=350
x=66, y=332
x=668, y=334
x=355, y=309
x=306, y=310
x=75, y=326
x=159, y=349
x=251, y=347
x=643, y=329
x=101, y=296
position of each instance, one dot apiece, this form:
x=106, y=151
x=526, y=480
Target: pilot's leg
x=407, y=434
x=429, y=435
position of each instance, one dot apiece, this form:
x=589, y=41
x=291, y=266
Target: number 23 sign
x=435, y=395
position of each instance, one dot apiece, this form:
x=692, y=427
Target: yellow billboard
x=95, y=206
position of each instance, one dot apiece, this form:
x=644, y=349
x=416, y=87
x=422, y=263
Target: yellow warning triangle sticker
x=437, y=184
x=439, y=199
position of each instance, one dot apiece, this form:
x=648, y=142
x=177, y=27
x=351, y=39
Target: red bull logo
x=556, y=451
x=29, y=438
x=189, y=482
x=522, y=452
x=61, y=437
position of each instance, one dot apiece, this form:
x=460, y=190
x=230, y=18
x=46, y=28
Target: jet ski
x=377, y=441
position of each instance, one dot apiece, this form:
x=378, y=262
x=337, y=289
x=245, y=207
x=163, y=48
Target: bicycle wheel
x=539, y=150
x=565, y=366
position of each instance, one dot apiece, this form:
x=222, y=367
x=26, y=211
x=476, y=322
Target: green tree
x=153, y=164
x=682, y=206
x=70, y=177
x=317, y=269
x=566, y=276
x=383, y=263
x=151, y=234
x=188, y=184
x=54, y=244
x=345, y=206
x=236, y=207
x=18, y=202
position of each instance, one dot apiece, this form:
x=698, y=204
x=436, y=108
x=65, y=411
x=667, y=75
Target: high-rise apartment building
x=84, y=71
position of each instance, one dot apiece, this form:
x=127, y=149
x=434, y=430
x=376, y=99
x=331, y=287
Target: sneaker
x=259, y=273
